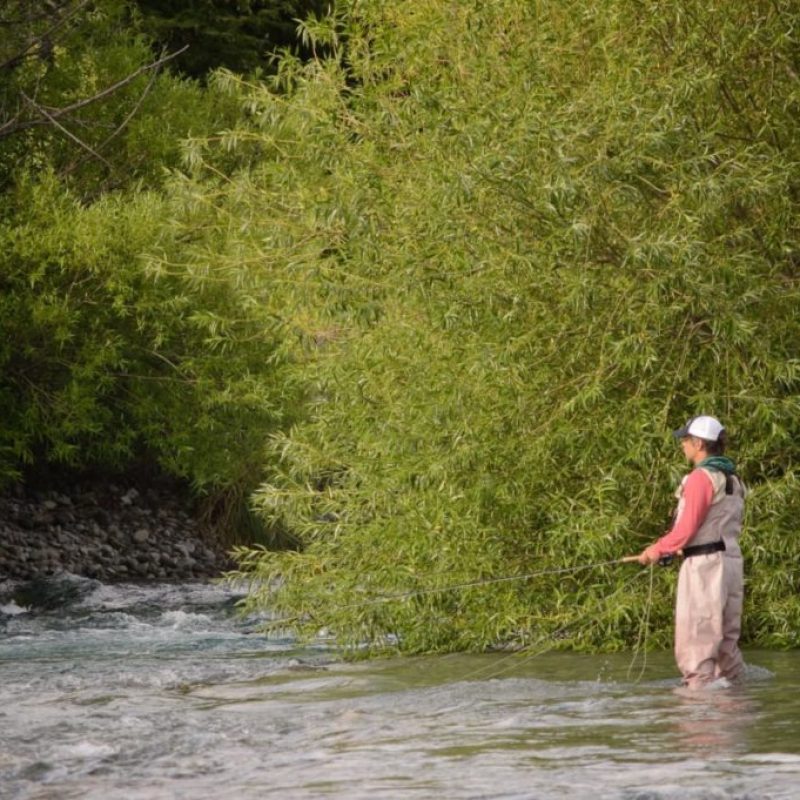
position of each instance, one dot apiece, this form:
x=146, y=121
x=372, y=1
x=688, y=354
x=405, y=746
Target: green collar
x=719, y=463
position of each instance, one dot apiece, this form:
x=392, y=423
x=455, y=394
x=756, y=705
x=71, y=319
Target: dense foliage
x=545, y=235
x=241, y=35
x=101, y=362
x=442, y=288
x=82, y=94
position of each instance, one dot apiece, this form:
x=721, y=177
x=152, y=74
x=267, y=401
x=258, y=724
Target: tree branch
x=16, y=59
x=71, y=135
x=122, y=125
x=49, y=115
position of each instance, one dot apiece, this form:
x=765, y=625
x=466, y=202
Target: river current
x=163, y=691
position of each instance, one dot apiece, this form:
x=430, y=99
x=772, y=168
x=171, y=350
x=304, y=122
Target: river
x=162, y=691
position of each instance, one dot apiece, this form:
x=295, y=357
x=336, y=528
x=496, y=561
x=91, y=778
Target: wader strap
x=703, y=549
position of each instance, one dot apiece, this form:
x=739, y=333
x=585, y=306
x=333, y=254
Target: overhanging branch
x=48, y=115
x=44, y=37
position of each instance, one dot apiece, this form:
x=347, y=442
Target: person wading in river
x=705, y=530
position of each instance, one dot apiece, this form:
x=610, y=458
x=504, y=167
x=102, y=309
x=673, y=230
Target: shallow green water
x=159, y=692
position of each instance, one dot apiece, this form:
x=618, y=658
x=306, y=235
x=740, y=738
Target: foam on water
x=12, y=609
x=163, y=691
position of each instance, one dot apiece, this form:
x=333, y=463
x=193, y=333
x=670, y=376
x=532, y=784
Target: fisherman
x=705, y=531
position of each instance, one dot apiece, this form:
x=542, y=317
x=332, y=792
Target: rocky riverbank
x=107, y=531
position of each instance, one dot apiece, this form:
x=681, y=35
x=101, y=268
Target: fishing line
x=456, y=586
x=521, y=657
x=483, y=582
x=644, y=629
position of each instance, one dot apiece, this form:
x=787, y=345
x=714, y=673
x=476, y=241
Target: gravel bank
x=109, y=532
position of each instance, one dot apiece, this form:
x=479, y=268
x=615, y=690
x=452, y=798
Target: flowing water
x=148, y=692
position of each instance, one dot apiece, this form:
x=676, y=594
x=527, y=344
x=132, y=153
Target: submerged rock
x=56, y=592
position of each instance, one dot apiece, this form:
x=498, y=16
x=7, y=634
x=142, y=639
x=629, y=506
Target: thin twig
x=14, y=60
x=160, y=378
x=125, y=122
x=49, y=114
x=71, y=135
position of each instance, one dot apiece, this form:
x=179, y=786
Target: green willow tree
x=101, y=363
x=82, y=94
x=240, y=35
x=520, y=243
x=448, y=285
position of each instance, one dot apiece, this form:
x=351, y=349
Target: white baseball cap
x=708, y=428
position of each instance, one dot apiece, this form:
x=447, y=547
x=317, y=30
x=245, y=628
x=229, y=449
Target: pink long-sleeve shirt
x=698, y=491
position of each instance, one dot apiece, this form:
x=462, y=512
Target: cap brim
x=681, y=432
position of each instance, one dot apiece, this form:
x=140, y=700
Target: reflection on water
x=145, y=693
x=716, y=722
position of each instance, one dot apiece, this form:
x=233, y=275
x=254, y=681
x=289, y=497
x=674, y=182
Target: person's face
x=692, y=448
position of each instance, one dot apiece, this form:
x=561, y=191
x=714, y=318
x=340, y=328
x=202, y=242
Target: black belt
x=703, y=549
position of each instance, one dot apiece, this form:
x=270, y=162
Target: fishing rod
x=664, y=561
x=472, y=584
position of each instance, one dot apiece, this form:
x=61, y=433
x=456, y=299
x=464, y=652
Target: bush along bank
x=108, y=532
